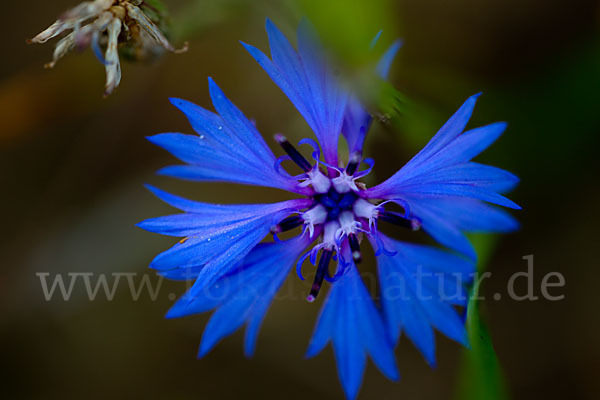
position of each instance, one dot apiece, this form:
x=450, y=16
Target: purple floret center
x=335, y=202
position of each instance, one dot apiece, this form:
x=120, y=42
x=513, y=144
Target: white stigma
x=344, y=183
x=348, y=225
x=315, y=216
x=319, y=182
x=329, y=235
x=363, y=209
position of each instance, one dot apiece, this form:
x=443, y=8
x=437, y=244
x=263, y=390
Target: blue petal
x=218, y=236
x=442, y=230
x=447, y=133
x=445, y=319
x=417, y=328
x=224, y=173
x=228, y=147
x=191, y=148
x=385, y=63
x=188, y=224
x=470, y=215
x=356, y=124
x=412, y=305
x=457, y=189
x=306, y=79
x=465, y=147
x=239, y=125
x=243, y=295
x=351, y=321
x=435, y=259
x=357, y=119
x=211, y=128
x=375, y=39
x=462, y=149
x=471, y=173
x=325, y=326
x=178, y=202
x=441, y=182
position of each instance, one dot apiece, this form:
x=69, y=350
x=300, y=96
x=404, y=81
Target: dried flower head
x=136, y=28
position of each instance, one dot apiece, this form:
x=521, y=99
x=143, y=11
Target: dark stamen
x=287, y=224
x=355, y=248
x=397, y=219
x=321, y=271
x=293, y=153
x=353, y=163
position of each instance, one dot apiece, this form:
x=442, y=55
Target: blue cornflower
x=440, y=190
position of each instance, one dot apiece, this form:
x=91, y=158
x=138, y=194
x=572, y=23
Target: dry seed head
x=110, y=27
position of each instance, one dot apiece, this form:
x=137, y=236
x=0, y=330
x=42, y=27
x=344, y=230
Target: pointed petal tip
x=180, y=308
x=515, y=227
x=202, y=351
x=429, y=356
x=395, y=47
x=351, y=390
x=471, y=101
x=207, y=344
x=216, y=93
x=249, y=350
x=501, y=125
x=393, y=375
x=511, y=204
x=164, y=171
x=213, y=87
x=179, y=103
x=174, y=312
x=248, y=47
x=141, y=225
x=313, y=350
x=272, y=29
x=154, y=190
x=154, y=139
x=154, y=265
x=375, y=39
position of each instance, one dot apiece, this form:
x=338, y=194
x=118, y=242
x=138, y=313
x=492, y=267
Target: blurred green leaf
x=481, y=375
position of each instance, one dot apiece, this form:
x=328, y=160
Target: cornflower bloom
x=440, y=190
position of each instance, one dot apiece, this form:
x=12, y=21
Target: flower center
x=338, y=213
x=335, y=202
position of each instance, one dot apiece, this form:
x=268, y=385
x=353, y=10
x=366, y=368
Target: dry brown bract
x=106, y=24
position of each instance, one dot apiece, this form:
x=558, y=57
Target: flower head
x=440, y=190
x=136, y=27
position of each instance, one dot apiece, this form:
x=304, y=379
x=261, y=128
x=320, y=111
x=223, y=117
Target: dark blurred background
x=73, y=165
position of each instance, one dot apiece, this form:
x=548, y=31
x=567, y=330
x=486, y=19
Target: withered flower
x=135, y=28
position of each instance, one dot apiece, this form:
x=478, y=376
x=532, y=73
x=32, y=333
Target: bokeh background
x=73, y=167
